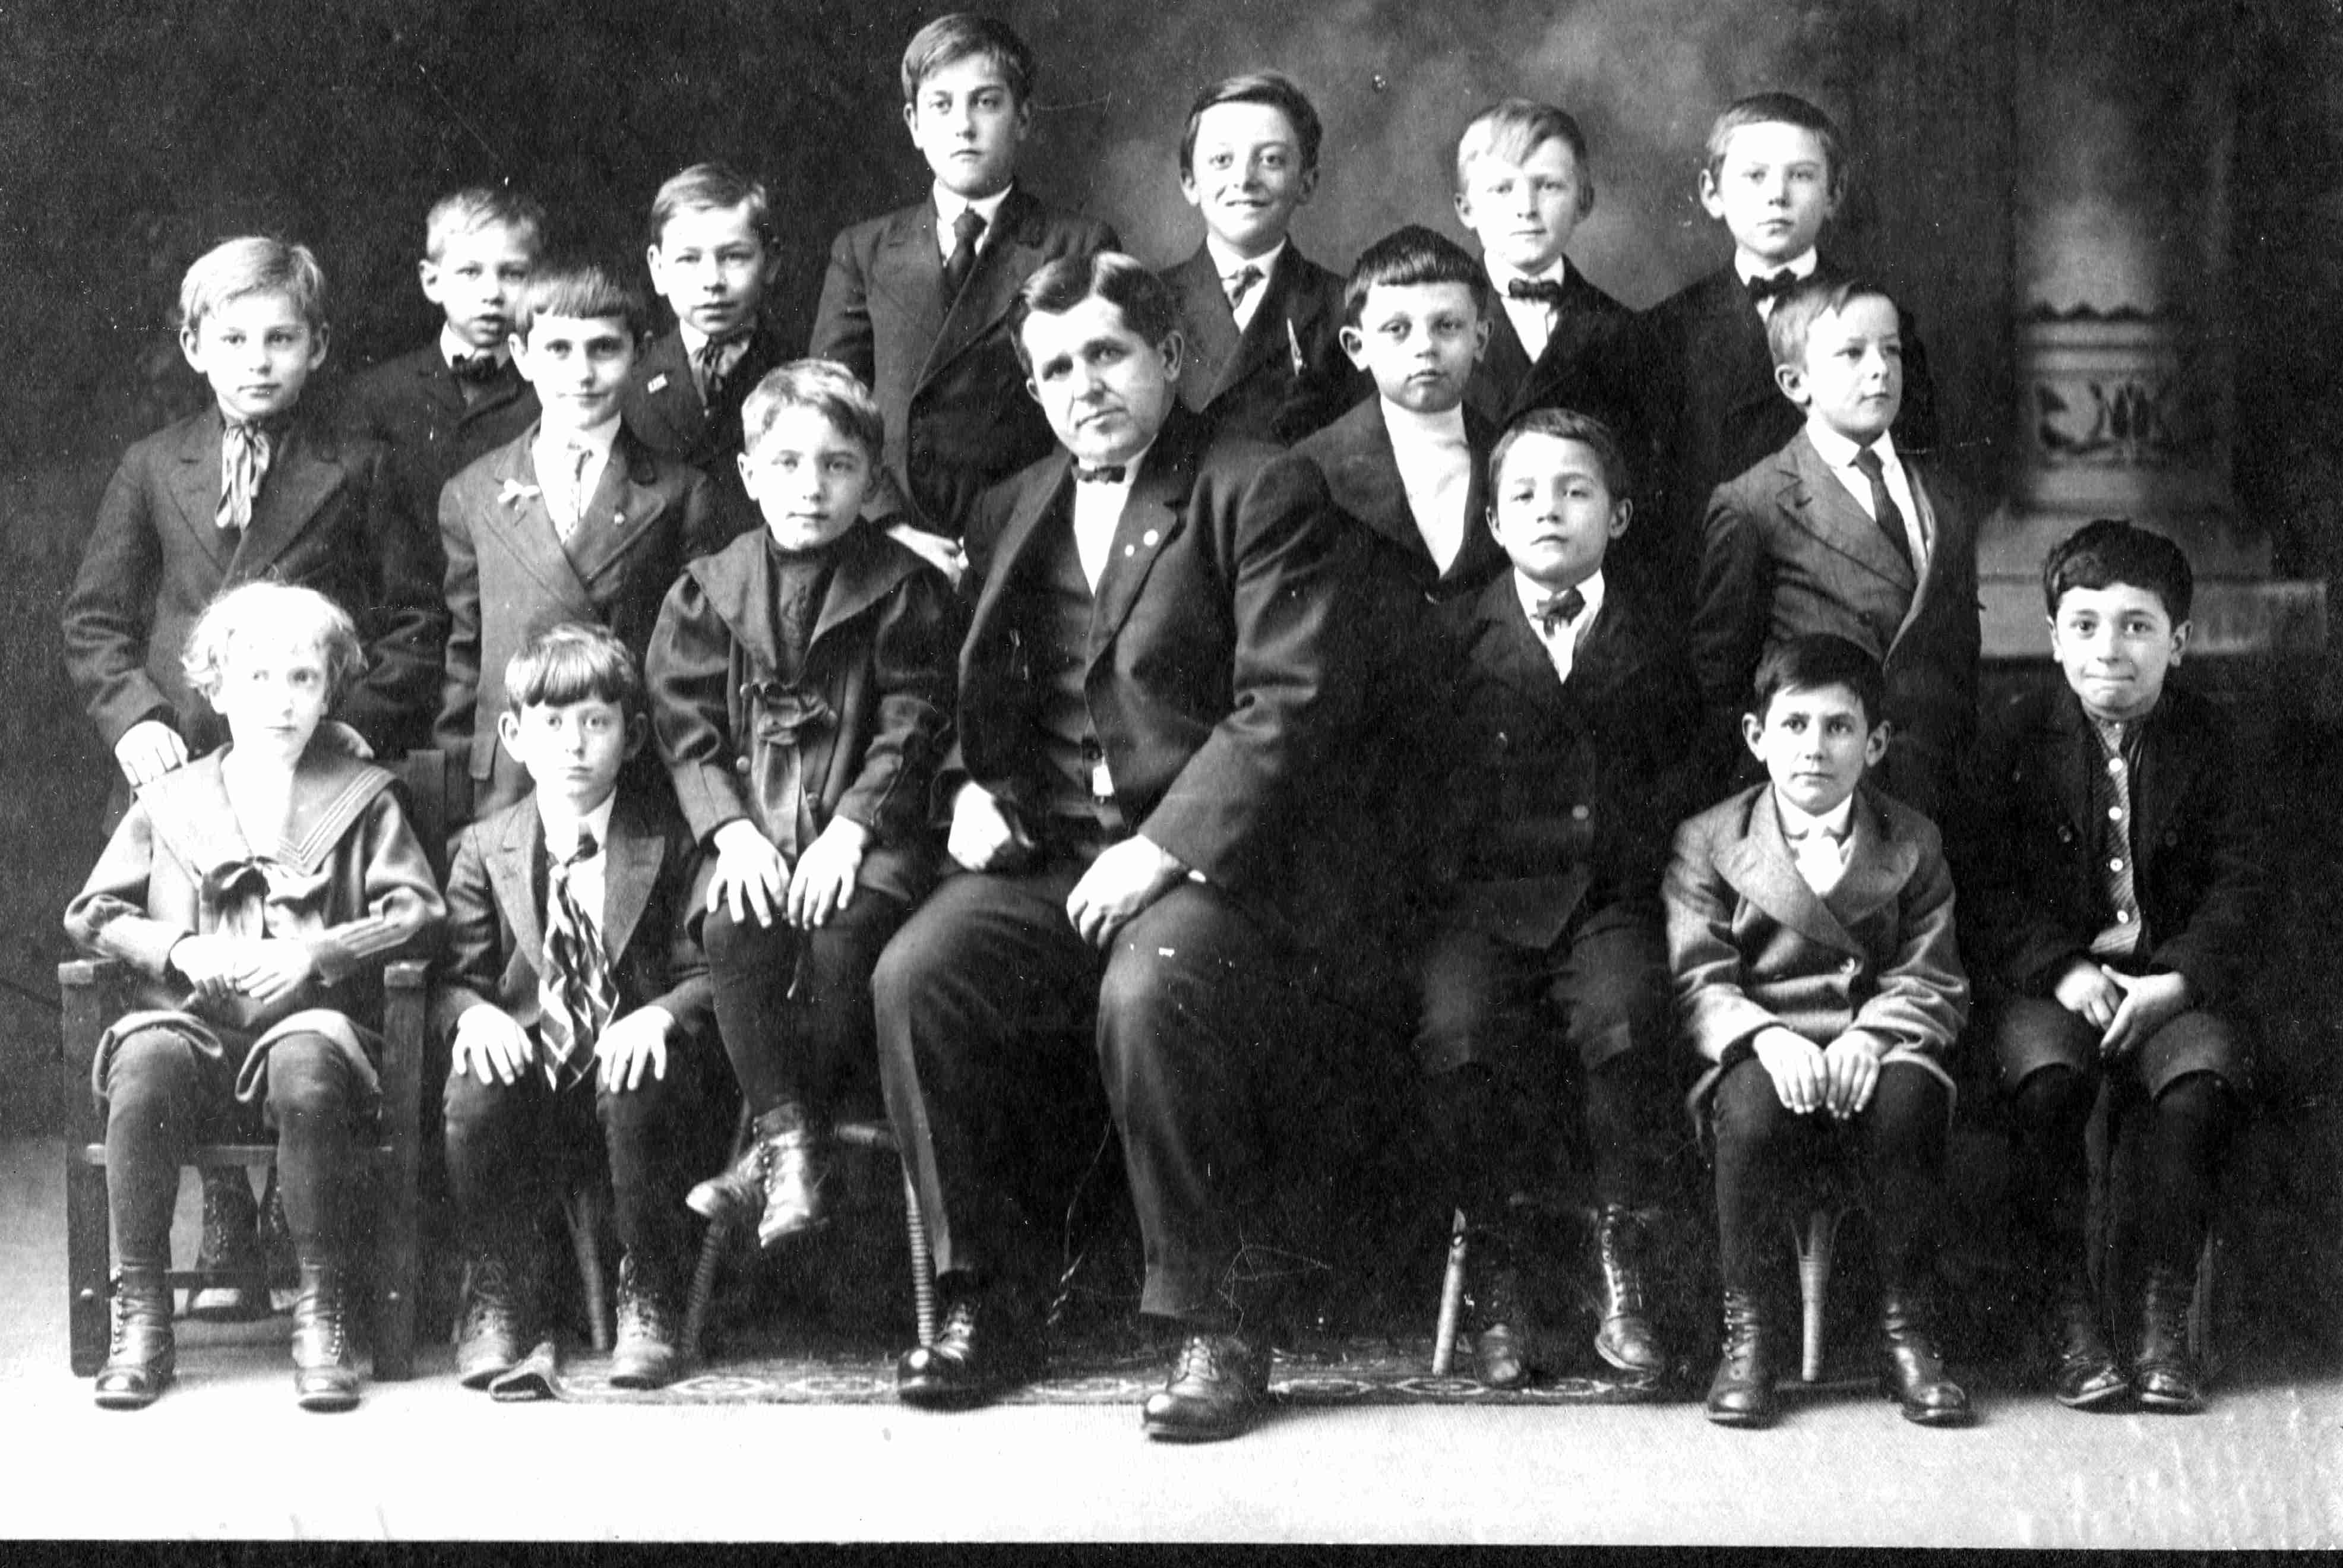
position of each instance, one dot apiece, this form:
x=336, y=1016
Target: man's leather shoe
x=776, y=1184
x=493, y=1333
x=1625, y=1339
x=977, y=1354
x=1913, y=1374
x=139, y=1362
x=2163, y=1373
x=645, y=1354
x=2084, y=1373
x=1503, y=1344
x=1742, y=1392
x=325, y=1373
x=231, y=1244
x=1217, y=1390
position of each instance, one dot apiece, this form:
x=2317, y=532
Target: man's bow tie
x=1761, y=289
x=1104, y=474
x=1545, y=290
x=1559, y=609
x=479, y=369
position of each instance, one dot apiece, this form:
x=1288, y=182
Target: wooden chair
x=94, y=990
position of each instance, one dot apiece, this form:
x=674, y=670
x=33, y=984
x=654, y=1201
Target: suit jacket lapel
x=624, y=507
x=1573, y=326
x=669, y=411
x=628, y=876
x=866, y=571
x=1036, y=502
x=1153, y=516
x=1365, y=481
x=1878, y=864
x=1737, y=333
x=528, y=527
x=299, y=482
x=1212, y=337
x=1761, y=869
x=195, y=486
x=1264, y=340
x=1001, y=264
x=2076, y=760
x=1812, y=495
x=1505, y=365
x=513, y=864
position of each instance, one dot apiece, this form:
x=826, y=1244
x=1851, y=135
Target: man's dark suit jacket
x=1209, y=679
x=2033, y=892
x=509, y=577
x=1285, y=375
x=415, y=406
x=1560, y=794
x=1787, y=551
x=958, y=417
x=1711, y=407
x=661, y=405
x=326, y=518
x=496, y=917
x=1586, y=364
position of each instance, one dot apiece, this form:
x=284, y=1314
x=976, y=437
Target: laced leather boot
x=2084, y=1373
x=2163, y=1373
x=1912, y=1370
x=492, y=1336
x=647, y=1354
x=777, y=1182
x=1625, y=1339
x=1742, y=1392
x=325, y=1373
x=231, y=1242
x=1502, y=1344
x=141, y=1359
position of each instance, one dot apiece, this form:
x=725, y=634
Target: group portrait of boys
x=1099, y=695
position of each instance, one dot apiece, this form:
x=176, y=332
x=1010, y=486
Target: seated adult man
x=1145, y=694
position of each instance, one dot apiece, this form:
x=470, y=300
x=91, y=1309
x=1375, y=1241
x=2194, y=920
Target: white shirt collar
x=1500, y=274
x=453, y=348
x=561, y=830
x=950, y=205
x=1801, y=267
x=1797, y=823
x=596, y=439
x=1227, y=263
x=1412, y=430
x=1841, y=453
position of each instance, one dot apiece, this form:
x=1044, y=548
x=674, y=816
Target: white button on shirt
x=1562, y=642
x=1839, y=454
x=1532, y=319
x=1098, y=512
x=1435, y=466
x=1818, y=844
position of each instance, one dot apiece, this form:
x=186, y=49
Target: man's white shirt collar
x=561, y=828
x=453, y=349
x=1800, y=267
x=950, y=205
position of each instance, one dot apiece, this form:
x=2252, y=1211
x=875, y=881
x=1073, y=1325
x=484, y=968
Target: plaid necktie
x=575, y=990
x=245, y=451
x=2111, y=797
x=708, y=367
x=1883, y=509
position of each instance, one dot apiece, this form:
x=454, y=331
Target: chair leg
x=923, y=1263
x=711, y=1255
x=582, y=1211
x=1814, y=1246
x=2200, y=1307
x=396, y=1267
x=89, y=1247
x=1451, y=1302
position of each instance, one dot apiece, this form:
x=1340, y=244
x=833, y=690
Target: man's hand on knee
x=1119, y=883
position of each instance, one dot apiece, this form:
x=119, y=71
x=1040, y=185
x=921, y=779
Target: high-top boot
x=141, y=1359
x=1504, y=1339
x=231, y=1241
x=2084, y=1373
x=493, y=1334
x=649, y=1352
x=1912, y=1371
x=325, y=1373
x=1742, y=1392
x=1625, y=1339
x=2163, y=1371
x=777, y=1182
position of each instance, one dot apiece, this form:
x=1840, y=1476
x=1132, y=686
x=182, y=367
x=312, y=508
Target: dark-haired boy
x=1810, y=926
x=577, y=1006
x=916, y=303
x=1260, y=320
x=1842, y=531
x=2114, y=904
x=575, y=520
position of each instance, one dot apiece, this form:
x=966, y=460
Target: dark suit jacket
x=1752, y=946
x=1560, y=794
x=326, y=518
x=415, y=407
x=1362, y=470
x=1788, y=550
x=1586, y=364
x=1286, y=374
x=1710, y=407
x=2033, y=891
x=958, y=417
x=661, y=405
x=509, y=577
x=879, y=669
x=1209, y=681
x=496, y=917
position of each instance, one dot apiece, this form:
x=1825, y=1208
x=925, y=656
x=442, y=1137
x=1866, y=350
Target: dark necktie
x=1761, y=289
x=707, y=368
x=245, y=451
x=967, y=229
x=476, y=369
x=1104, y=474
x=577, y=994
x=1882, y=506
x=1545, y=290
x=1559, y=609
x=1240, y=283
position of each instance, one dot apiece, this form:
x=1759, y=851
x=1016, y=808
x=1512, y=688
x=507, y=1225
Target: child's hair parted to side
x=583, y=291
x=476, y=208
x=1273, y=88
x=1813, y=660
x=1795, y=312
x=1513, y=128
x=575, y=661
x=1567, y=424
x=1778, y=109
x=1148, y=306
x=254, y=264
x=2111, y=550
x=1409, y=256
x=716, y=185
x=956, y=36
x=827, y=388
x=281, y=607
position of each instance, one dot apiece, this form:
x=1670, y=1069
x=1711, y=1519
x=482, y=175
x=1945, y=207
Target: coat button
x=1851, y=965
x=1579, y=813
x=741, y=766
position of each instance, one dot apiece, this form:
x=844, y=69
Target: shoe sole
x=2114, y=1395
x=951, y=1399
x=1196, y=1434
x=481, y=1377
x=1619, y=1364
x=716, y=1210
x=768, y=1242
x=2164, y=1404
x=327, y=1404
x=127, y=1400
x=1749, y=1422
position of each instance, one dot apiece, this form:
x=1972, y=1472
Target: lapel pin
x=657, y=383
x=1131, y=549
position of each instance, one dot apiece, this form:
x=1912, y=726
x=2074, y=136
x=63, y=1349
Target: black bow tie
x=1761, y=289
x=1545, y=290
x=479, y=369
x=1559, y=609
x=1104, y=474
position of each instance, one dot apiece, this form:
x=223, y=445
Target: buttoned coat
x=1788, y=550
x=1285, y=374
x=662, y=406
x=880, y=665
x=2033, y=892
x=1753, y=945
x=510, y=576
x=958, y=416
x=326, y=518
x=414, y=405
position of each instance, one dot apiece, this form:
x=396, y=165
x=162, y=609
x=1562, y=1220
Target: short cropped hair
x=1409, y=256
x=1813, y=660
x=1779, y=109
x=1146, y=302
x=254, y=264
x=1273, y=88
x=476, y=208
x=958, y=35
x=1514, y=128
x=827, y=388
x=281, y=607
x=719, y=185
x=2113, y=551
x=584, y=290
x=1567, y=424
x=1809, y=301
x=574, y=661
